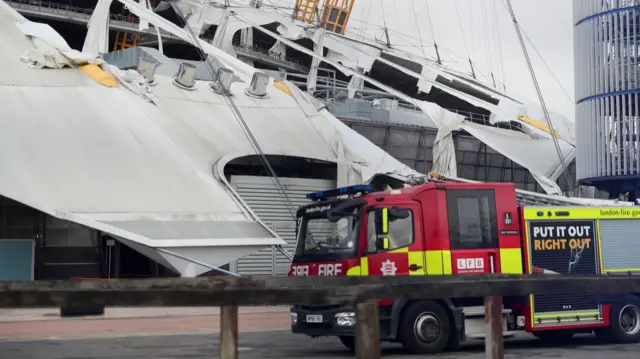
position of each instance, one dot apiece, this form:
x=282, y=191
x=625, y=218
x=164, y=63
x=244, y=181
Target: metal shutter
x=266, y=201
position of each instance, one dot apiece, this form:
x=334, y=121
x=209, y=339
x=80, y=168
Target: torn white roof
x=539, y=156
x=148, y=173
x=355, y=54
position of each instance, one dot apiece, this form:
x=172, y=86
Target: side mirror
x=332, y=217
x=399, y=213
x=382, y=228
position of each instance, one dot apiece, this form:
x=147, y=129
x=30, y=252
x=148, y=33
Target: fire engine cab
x=447, y=228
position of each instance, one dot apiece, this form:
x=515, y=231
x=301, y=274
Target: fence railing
x=231, y=292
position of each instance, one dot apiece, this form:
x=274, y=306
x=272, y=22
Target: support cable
x=433, y=34
x=384, y=22
x=243, y=124
x=464, y=39
x=546, y=65
x=499, y=45
x=415, y=22
x=539, y=92
x=487, y=42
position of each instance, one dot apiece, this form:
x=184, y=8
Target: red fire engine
x=446, y=228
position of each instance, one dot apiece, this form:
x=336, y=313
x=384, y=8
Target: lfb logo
x=471, y=264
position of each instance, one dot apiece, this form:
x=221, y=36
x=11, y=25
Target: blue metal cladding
x=607, y=59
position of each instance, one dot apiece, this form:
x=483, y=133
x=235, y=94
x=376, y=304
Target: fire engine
x=457, y=228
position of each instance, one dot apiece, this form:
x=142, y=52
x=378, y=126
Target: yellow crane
x=334, y=14
x=127, y=39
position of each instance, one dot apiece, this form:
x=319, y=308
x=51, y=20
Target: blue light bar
x=350, y=190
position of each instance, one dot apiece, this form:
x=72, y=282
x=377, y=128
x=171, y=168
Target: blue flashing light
x=350, y=190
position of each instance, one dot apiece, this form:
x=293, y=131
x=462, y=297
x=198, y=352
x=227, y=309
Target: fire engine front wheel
x=625, y=322
x=349, y=342
x=424, y=328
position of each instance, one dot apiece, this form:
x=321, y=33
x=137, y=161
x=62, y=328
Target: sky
x=490, y=37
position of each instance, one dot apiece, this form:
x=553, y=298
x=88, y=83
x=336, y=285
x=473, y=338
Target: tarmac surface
x=191, y=334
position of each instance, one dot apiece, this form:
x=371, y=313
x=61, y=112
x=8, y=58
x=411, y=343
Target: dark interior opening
x=283, y=166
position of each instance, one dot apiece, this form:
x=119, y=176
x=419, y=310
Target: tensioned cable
x=243, y=124
x=545, y=64
x=433, y=33
x=464, y=39
x=499, y=45
x=415, y=22
x=539, y=92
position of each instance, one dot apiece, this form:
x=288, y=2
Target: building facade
x=607, y=95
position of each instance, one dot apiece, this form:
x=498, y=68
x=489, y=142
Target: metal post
x=273, y=260
x=228, y=332
x=493, y=338
x=367, y=331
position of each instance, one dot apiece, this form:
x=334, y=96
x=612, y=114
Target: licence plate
x=314, y=318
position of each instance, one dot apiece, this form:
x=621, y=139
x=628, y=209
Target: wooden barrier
x=231, y=292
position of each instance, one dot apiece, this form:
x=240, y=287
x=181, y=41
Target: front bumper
x=323, y=321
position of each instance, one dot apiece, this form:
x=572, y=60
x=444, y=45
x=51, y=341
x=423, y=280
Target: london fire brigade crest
x=388, y=268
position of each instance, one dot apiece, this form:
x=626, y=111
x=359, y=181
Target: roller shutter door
x=265, y=200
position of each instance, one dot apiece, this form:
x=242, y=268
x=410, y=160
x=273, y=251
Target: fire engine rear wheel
x=625, y=322
x=424, y=328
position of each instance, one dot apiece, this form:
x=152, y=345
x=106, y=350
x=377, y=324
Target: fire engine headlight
x=346, y=319
x=294, y=318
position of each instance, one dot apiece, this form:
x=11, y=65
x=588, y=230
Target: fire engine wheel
x=349, y=342
x=625, y=322
x=424, y=328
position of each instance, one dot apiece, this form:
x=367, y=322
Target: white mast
x=544, y=106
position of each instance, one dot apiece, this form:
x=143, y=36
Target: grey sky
x=547, y=23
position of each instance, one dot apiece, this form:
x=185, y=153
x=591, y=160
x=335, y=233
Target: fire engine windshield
x=329, y=231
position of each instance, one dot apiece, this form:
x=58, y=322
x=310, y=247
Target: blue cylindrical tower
x=607, y=60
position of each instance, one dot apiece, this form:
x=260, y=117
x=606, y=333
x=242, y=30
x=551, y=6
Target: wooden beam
x=367, y=331
x=229, y=332
x=242, y=291
x=493, y=339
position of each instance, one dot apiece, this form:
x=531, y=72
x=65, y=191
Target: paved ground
x=178, y=334
x=47, y=324
x=280, y=344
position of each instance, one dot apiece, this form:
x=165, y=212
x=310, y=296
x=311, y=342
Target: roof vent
x=258, y=86
x=186, y=76
x=222, y=82
x=147, y=68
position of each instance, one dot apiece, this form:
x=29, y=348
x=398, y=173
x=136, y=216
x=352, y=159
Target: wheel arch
x=454, y=315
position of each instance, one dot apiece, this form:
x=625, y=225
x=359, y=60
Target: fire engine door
x=473, y=231
x=394, y=245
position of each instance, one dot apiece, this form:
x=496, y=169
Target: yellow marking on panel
x=537, y=124
x=567, y=315
x=364, y=266
x=511, y=260
x=530, y=213
x=599, y=246
x=400, y=250
x=417, y=258
x=353, y=271
x=620, y=270
x=528, y=259
x=282, y=87
x=434, y=262
x=385, y=220
x=446, y=263
x=99, y=75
